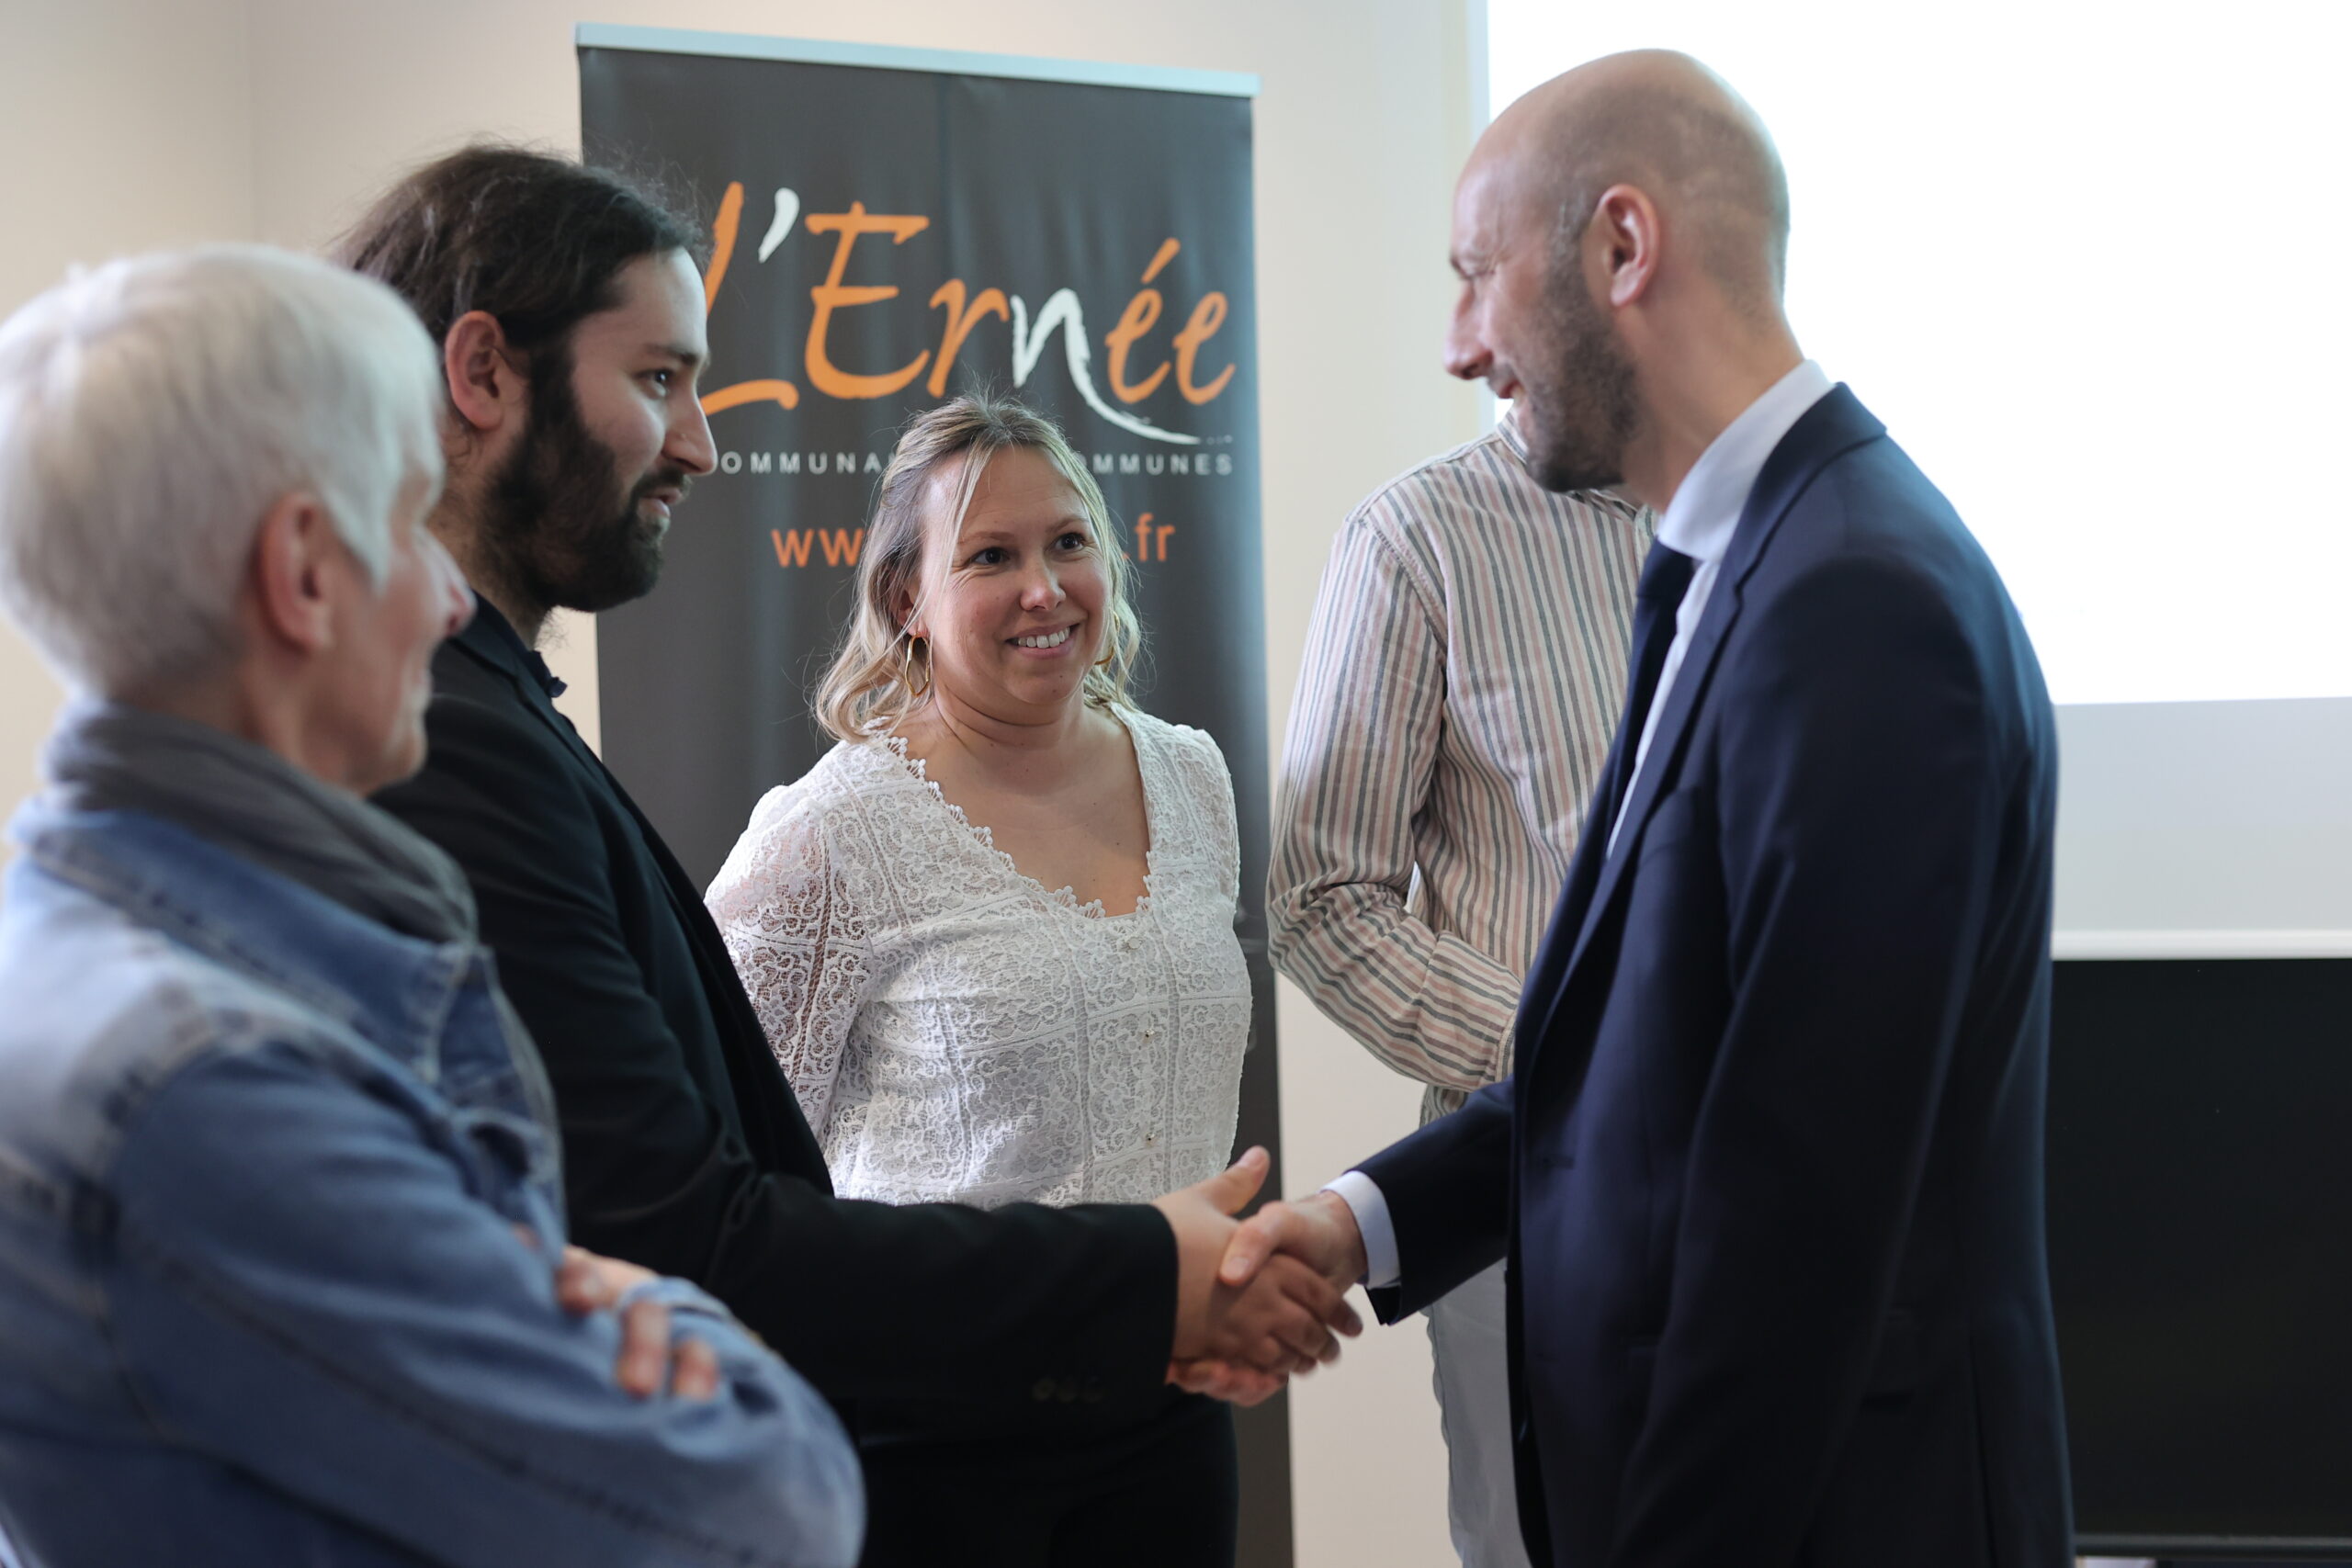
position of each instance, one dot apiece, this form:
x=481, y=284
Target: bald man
x=1767, y=1176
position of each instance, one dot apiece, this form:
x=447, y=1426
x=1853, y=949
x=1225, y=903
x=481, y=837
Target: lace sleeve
x=1228, y=820
x=1208, y=781
x=797, y=941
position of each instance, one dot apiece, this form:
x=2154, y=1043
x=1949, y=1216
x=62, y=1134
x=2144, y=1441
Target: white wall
x=135, y=122
x=126, y=125
x=2205, y=829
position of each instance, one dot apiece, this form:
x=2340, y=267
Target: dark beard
x=1577, y=428
x=554, y=537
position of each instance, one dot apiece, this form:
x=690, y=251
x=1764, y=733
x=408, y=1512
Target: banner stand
x=890, y=227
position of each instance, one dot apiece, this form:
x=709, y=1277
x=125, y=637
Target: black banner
x=886, y=235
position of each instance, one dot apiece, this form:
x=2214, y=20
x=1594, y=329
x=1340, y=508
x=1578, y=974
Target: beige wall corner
x=129, y=126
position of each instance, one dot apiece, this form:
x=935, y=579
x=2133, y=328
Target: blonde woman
x=990, y=935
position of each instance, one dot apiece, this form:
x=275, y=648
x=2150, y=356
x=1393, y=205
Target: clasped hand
x=1257, y=1300
x=652, y=1358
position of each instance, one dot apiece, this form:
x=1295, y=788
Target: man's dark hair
x=535, y=240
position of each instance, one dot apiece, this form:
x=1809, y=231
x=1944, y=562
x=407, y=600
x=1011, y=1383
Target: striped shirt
x=1463, y=678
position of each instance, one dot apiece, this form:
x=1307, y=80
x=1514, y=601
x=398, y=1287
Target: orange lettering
x=1207, y=316
x=784, y=394
x=722, y=241
x=722, y=251
x=960, y=323
x=840, y=544
x=1134, y=321
x=833, y=295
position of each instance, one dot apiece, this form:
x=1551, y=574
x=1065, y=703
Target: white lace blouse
x=955, y=1031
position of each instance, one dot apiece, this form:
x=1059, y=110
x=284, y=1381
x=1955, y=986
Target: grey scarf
x=253, y=803
x=250, y=801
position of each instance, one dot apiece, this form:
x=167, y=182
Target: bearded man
x=568, y=312
x=1767, y=1172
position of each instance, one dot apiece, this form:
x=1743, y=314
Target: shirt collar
x=1704, y=513
x=1507, y=428
x=491, y=625
x=1515, y=440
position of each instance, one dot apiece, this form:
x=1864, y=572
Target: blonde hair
x=868, y=688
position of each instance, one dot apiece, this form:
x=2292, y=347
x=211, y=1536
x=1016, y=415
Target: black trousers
x=1164, y=1493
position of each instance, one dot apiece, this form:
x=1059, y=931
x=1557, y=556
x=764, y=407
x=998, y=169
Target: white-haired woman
x=991, y=937
x=282, y=1272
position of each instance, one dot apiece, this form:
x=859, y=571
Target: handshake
x=1258, y=1301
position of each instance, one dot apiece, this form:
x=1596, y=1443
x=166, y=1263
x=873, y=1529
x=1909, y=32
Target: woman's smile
x=1047, y=644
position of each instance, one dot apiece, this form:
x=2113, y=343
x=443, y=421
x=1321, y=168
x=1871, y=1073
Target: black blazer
x=684, y=1147
x=1768, y=1175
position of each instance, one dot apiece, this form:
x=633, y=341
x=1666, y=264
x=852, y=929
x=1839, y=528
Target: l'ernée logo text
x=1137, y=370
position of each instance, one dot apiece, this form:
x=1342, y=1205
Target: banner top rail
x=885, y=57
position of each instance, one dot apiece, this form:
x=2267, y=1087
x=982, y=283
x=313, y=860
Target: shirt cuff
x=1363, y=1198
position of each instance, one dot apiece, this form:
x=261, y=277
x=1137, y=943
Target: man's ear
x=1626, y=234
x=485, y=384
x=295, y=555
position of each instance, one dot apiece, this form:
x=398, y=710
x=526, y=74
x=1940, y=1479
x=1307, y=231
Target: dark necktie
x=1665, y=576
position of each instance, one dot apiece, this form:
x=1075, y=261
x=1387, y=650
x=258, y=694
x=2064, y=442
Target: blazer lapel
x=685, y=900
x=762, y=1099
x=1599, y=865
x=486, y=646
x=1831, y=427
x=1665, y=745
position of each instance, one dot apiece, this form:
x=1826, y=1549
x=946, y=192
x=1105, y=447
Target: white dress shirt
x=1704, y=514
x=1700, y=522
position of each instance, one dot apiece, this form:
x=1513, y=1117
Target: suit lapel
x=1664, y=754
x=486, y=646
x=1599, y=867
x=1833, y=426
x=766, y=1101
x=685, y=900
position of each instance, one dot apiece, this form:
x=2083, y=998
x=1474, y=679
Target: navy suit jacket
x=1768, y=1175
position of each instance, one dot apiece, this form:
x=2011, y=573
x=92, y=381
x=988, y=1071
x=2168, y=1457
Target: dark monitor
x=2200, y=1253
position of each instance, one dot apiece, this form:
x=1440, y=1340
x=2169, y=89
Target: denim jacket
x=263, y=1297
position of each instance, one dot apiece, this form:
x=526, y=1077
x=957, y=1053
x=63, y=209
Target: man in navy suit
x=1769, y=1176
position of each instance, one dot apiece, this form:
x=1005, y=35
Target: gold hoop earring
x=1104, y=662
x=906, y=673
